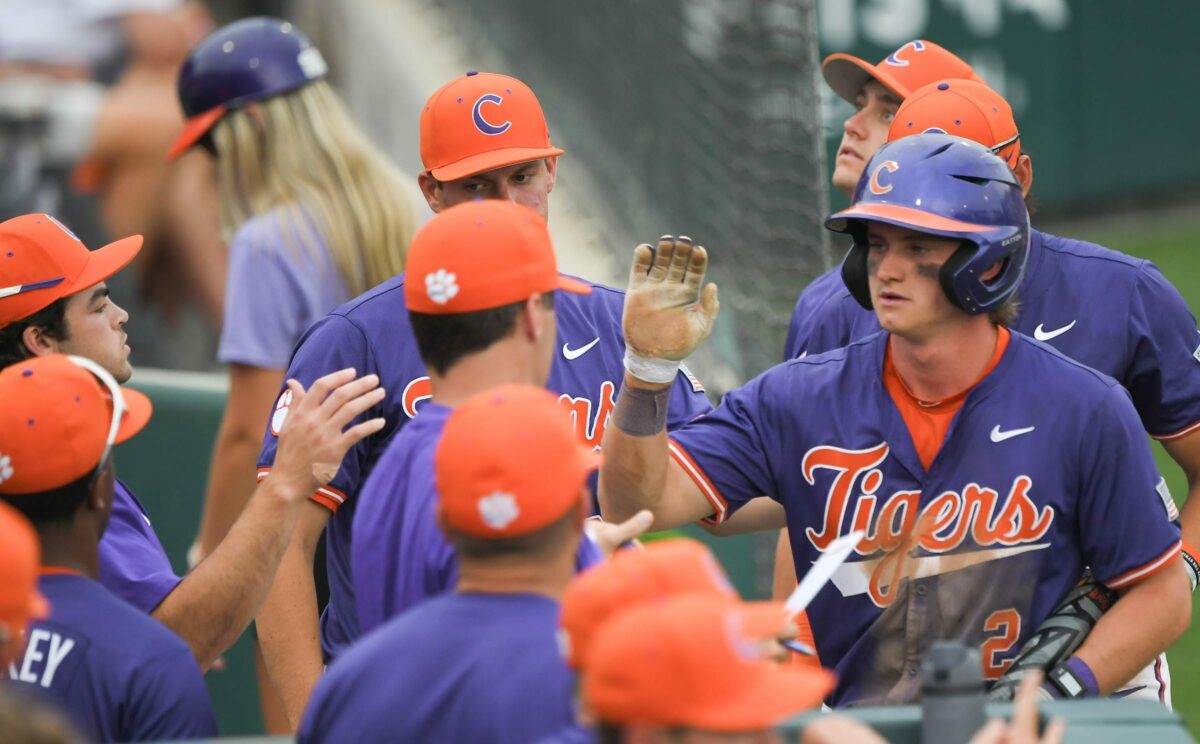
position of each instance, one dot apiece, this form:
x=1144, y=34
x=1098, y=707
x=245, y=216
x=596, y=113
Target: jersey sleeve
x=725, y=452
x=818, y=322
x=170, y=700
x=687, y=400
x=133, y=564
x=1125, y=528
x=263, y=300
x=333, y=343
x=1165, y=375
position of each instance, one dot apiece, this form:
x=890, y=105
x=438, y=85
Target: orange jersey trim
x=327, y=496
x=1176, y=435
x=719, y=505
x=1132, y=577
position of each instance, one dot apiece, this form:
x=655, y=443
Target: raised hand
x=667, y=314
x=312, y=442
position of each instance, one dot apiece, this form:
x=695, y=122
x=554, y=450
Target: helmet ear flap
x=854, y=268
x=950, y=269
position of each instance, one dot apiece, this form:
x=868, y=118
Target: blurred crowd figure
x=91, y=86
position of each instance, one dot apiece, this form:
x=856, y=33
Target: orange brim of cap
x=195, y=128
x=574, y=286
x=846, y=75
x=137, y=413
x=104, y=262
x=777, y=693
x=903, y=217
x=486, y=161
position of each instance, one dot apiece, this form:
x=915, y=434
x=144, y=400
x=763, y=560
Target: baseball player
x=694, y=665
x=20, y=600
x=985, y=468
x=483, y=136
x=1114, y=313
x=53, y=299
x=481, y=664
x=116, y=673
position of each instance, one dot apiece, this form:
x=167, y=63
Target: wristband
x=648, y=369
x=1072, y=679
x=640, y=412
x=1191, y=563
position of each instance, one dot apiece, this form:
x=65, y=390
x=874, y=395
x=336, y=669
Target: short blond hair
x=301, y=154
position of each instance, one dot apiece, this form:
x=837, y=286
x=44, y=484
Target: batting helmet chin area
x=950, y=187
x=250, y=60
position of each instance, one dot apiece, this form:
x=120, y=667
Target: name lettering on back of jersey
x=44, y=653
x=897, y=526
x=1041, y=334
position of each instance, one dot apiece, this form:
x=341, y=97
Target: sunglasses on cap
x=118, y=410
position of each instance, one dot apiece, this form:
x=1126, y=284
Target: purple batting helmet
x=950, y=187
x=249, y=60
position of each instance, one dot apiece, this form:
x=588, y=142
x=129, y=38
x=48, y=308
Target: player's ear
x=992, y=272
x=552, y=169
x=431, y=189
x=37, y=341
x=535, y=315
x=1024, y=173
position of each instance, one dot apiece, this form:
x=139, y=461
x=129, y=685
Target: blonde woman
x=315, y=215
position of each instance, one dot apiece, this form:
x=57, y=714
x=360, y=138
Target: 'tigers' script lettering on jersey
x=44, y=654
x=589, y=420
x=899, y=526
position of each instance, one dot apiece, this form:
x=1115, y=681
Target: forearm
x=215, y=603
x=634, y=472
x=1148, y=618
x=231, y=482
x=784, y=579
x=1189, y=515
x=289, y=634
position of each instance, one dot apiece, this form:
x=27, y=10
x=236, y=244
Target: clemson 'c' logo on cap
x=894, y=58
x=483, y=124
x=891, y=166
x=441, y=286
x=498, y=510
x=415, y=392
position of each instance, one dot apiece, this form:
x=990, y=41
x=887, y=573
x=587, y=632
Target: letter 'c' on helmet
x=250, y=60
x=950, y=187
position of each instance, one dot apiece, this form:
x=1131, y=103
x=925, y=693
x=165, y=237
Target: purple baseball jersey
x=399, y=555
x=117, y=674
x=133, y=564
x=1113, y=312
x=372, y=334
x=1044, y=458
x=459, y=668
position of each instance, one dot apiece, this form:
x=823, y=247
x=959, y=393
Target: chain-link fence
x=691, y=116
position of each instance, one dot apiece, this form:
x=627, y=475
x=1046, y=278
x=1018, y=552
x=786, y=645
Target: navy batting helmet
x=250, y=60
x=946, y=186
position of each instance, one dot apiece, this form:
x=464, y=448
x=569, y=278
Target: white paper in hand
x=820, y=573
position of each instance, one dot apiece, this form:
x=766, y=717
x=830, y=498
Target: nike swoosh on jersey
x=999, y=436
x=852, y=579
x=1043, y=335
x=570, y=353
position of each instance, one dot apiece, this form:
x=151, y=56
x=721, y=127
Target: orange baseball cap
x=508, y=463
x=913, y=65
x=20, y=557
x=42, y=261
x=664, y=569
x=964, y=108
x=57, y=421
x=481, y=255
x=482, y=121
x=696, y=662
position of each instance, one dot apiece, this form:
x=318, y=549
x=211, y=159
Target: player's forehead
x=873, y=91
x=496, y=174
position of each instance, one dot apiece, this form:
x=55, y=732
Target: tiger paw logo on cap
x=441, y=286
x=498, y=510
x=6, y=470
x=281, y=412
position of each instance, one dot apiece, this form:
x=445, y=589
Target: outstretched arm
x=213, y=604
x=667, y=315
